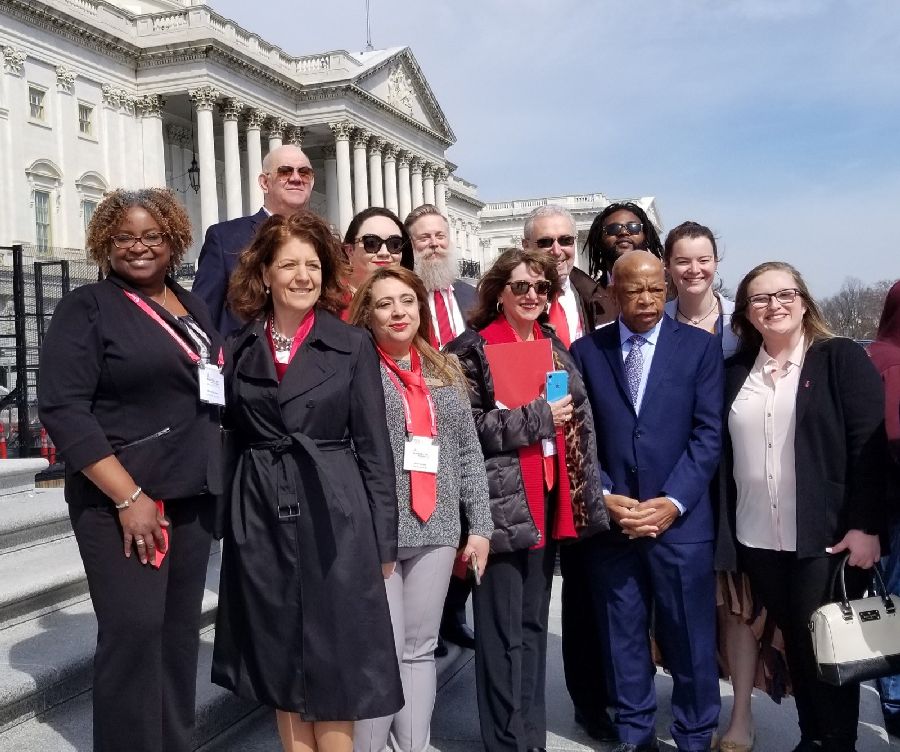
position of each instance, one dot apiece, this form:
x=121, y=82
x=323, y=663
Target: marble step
x=30, y=518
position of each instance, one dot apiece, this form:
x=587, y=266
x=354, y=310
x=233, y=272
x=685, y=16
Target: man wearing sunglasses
x=287, y=181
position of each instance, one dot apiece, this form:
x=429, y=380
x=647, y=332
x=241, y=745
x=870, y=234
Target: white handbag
x=856, y=640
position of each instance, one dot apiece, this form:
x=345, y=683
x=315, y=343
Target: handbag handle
x=876, y=585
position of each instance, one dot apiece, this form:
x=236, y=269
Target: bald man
x=656, y=389
x=287, y=181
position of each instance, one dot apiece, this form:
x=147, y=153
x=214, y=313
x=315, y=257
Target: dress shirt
x=570, y=308
x=762, y=422
x=456, y=320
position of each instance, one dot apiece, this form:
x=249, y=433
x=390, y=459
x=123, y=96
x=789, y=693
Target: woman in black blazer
x=802, y=476
x=121, y=370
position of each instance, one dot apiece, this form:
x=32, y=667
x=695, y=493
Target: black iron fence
x=469, y=269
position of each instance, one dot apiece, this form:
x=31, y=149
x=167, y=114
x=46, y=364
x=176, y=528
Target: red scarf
x=420, y=421
x=299, y=336
x=531, y=460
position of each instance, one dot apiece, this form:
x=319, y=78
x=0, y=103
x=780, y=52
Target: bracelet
x=130, y=500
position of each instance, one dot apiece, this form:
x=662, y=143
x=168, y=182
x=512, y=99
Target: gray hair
x=547, y=210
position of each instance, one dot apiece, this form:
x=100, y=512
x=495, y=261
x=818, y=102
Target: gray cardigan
x=461, y=479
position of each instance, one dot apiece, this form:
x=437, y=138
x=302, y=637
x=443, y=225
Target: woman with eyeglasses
x=544, y=486
x=376, y=239
x=802, y=477
x=127, y=392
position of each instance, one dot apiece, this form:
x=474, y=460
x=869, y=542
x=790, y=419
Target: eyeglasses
x=615, y=228
x=372, y=244
x=563, y=240
x=148, y=240
x=784, y=297
x=286, y=172
x=522, y=286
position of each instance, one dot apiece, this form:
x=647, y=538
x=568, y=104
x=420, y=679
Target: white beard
x=437, y=275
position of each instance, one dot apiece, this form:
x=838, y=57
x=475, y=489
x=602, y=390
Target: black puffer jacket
x=503, y=432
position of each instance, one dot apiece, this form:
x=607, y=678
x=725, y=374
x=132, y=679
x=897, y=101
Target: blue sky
x=775, y=122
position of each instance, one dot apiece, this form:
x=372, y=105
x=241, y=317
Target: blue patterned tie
x=634, y=366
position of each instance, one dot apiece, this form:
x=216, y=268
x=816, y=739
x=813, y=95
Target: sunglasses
x=522, y=286
x=286, y=172
x=563, y=240
x=372, y=244
x=784, y=297
x=614, y=228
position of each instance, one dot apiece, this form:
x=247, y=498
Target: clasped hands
x=641, y=519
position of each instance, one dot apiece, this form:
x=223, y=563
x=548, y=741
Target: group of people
x=327, y=407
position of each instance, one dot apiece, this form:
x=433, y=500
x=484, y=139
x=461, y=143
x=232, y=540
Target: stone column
x=332, y=198
x=360, y=179
x=296, y=135
x=341, y=133
x=390, y=180
x=415, y=175
x=441, y=190
x=276, y=130
x=234, y=205
x=428, y=184
x=179, y=140
x=255, y=120
x=204, y=100
x=376, y=183
x=404, y=198
x=153, y=153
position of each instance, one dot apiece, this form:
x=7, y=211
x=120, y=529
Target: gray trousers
x=415, y=593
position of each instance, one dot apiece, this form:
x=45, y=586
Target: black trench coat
x=303, y=622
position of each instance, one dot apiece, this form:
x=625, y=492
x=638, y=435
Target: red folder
x=519, y=370
x=160, y=555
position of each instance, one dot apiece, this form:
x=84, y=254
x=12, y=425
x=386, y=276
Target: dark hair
x=815, y=327
x=600, y=265
x=406, y=259
x=159, y=203
x=361, y=312
x=494, y=280
x=246, y=290
x=688, y=230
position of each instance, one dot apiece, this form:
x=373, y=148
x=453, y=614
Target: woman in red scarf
x=545, y=488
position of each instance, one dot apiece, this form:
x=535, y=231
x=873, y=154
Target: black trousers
x=511, y=608
x=454, y=612
x=582, y=657
x=792, y=588
x=148, y=622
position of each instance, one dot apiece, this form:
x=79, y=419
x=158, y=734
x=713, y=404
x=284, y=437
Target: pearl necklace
x=279, y=340
x=705, y=316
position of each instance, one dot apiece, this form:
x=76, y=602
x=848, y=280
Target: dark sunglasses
x=286, y=172
x=564, y=240
x=372, y=244
x=614, y=228
x=522, y=286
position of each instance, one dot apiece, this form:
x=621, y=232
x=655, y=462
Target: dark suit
x=466, y=296
x=670, y=448
x=218, y=257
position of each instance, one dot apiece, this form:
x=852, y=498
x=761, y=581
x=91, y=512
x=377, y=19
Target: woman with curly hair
x=311, y=515
x=127, y=393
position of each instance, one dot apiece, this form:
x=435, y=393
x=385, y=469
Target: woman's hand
x=864, y=549
x=142, y=526
x=388, y=569
x=562, y=410
x=481, y=547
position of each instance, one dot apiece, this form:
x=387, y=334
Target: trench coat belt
x=287, y=451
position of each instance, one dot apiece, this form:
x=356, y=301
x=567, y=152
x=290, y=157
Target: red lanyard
x=401, y=390
x=142, y=304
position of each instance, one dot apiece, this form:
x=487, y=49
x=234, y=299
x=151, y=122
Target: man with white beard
x=449, y=299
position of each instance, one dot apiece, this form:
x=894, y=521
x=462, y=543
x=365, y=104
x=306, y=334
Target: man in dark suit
x=287, y=181
x=656, y=390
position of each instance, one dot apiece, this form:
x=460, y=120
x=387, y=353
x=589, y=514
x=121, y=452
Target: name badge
x=212, y=385
x=420, y=455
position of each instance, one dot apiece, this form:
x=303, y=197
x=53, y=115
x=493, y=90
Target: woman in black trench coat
x=311, y=518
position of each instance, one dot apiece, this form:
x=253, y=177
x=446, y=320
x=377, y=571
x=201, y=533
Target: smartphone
x=557, y=385
x=473, y=565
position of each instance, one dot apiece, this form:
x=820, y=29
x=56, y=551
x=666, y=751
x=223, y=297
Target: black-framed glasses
x=563, y=240
x=522, y=286
x=148, y=240
x=372, y=244
x=784, y=297
x=286, y=172
x=615, y=228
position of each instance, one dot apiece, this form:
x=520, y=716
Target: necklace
x=279, y=340
x=694, y=322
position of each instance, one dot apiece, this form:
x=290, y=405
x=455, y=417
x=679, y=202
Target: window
x=87, y=210
x=85, y=119
x=42, y=220
x=36, y=102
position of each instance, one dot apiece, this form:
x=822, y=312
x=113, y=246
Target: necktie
x=445, y=330
x=560, y=323
x=634, y=366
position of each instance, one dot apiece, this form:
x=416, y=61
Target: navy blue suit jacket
x=466, y=297
x=672, y=447
x=218, y=257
